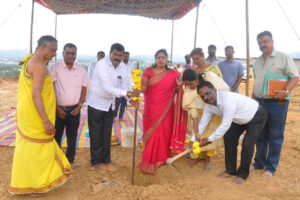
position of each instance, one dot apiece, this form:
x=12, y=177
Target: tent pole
x=55, y=32
x=171, y=57
x=31, y=26
x=196, y=26
x=248, y=48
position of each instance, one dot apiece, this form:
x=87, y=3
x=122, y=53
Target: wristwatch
x=286, y=90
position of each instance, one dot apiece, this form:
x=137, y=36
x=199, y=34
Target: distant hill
x=14, y=54
x=150, y=58
x=17, y=54
x=295, y=54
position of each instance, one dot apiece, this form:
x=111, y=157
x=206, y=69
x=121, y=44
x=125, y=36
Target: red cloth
x=180, y=122
x=158, y=117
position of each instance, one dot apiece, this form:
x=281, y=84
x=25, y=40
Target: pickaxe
x=170, y=161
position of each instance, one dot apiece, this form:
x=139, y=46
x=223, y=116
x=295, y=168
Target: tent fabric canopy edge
x=156, y=9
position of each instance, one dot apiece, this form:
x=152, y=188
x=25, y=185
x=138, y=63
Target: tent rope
x=287, y=18
x=11, y=14
x=180, y=35
x=215, y=24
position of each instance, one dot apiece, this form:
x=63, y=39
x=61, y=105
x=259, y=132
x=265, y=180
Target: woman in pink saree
x=159, y=88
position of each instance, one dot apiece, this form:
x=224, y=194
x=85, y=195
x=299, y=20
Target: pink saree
x=158, y=117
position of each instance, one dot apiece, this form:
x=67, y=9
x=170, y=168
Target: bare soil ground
x=189, y=183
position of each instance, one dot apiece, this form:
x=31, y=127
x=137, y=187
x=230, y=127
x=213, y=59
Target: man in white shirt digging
x=239, y=113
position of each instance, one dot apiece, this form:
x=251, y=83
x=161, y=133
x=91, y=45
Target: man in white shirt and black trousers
x=239, y=113
x=101, y=102
x=125, y=84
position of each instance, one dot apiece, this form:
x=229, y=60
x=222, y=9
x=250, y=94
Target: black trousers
x=71, y=123
x=100, y=127
x=231, y=140
x=122, y=103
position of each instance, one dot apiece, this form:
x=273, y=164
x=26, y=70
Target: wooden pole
x=248, y=48
x=134, y=146
x=134, y=141
x=55, y=33
x=196, y=26
x=31, y=26
x=172, y=37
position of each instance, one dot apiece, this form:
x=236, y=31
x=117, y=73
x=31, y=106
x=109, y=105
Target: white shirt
x=91, y=69
x=130, y=66
x=104, y=84
x=126, y=84
x=233, y=107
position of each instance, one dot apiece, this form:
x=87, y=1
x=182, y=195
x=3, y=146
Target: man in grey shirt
x=212, y=58
x=232, y=70
x=269, y=143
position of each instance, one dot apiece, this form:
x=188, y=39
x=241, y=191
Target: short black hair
x=264, y=33
x=70, y=45
x=212, y=46
x=45, y=39
x=229, y=47
x=118, y=47
x=205, y=83
x=191, y=75
x=100, y=52
x=126, y=52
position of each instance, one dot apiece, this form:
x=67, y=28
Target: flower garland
x=137, y=83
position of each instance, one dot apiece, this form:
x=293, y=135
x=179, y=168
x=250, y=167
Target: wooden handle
x=171, y=160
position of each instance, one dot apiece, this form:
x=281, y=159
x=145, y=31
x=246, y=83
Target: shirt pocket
x=278, y=67
x=77, y=81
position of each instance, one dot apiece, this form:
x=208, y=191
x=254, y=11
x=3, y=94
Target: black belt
x=272, y=100
x=68, y=107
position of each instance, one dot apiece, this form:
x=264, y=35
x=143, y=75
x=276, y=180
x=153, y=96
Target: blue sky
x=143, y=36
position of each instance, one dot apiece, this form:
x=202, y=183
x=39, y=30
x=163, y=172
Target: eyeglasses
x=70, y=53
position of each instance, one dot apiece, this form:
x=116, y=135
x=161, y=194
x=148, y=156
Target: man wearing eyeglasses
x=70, y=85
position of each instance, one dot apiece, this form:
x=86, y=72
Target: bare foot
x=239, y=181
x=110, y=163
x=207, y=164
x=97, y=167
x=267, y=174
x=224, y=175
x=74, y=165
x=193, y=162
x=252, y=167
x=122, y=119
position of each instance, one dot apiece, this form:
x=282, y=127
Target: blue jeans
x=122, y=103
x=269, y=143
